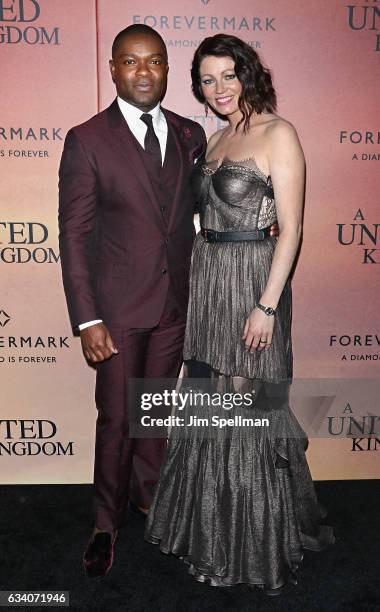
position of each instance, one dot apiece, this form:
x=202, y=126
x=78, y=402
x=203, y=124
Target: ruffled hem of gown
x=201, y=574
x=240, y=508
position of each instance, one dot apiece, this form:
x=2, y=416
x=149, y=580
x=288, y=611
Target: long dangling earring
x=206, y=109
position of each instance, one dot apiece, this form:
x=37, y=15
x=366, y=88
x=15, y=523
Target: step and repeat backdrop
x=324, y=58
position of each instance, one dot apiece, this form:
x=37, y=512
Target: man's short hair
x=137, y=28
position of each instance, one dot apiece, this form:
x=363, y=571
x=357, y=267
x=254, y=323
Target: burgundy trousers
x=128, y=468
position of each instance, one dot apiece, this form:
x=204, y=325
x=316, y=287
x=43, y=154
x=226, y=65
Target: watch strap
x=267, y=309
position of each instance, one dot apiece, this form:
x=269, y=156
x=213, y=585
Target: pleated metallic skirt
x=226, y=282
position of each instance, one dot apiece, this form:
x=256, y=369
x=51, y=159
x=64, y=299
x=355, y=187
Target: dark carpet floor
x=44, y=529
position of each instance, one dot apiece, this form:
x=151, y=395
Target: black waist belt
x=213, y=236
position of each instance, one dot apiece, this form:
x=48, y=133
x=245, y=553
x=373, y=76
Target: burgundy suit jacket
x=118, y=252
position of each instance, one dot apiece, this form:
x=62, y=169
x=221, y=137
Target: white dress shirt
x=138, y=128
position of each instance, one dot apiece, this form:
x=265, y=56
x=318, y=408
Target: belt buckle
x=208, y=235
x=260, y=234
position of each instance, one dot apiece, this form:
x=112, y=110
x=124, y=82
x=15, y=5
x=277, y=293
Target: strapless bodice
x=233, y=195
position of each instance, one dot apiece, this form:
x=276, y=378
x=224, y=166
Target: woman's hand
x=258, y=331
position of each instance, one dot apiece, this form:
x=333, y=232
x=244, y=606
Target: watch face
x=269, y=310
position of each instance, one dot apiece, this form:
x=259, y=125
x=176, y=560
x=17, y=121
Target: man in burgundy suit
x=126, y=233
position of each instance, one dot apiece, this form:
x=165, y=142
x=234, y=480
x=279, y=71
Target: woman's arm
x=287, y=170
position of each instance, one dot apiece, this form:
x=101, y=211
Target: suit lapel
x=129, y=149
x=173, y=128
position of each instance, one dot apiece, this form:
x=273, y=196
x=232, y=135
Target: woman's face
x=220, y=85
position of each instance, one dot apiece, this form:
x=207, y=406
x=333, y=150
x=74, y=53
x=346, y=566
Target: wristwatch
x=267, y=309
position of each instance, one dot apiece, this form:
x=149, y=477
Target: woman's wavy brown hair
x=258, y=93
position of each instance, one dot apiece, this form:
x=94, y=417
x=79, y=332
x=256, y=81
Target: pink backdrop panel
x=50, y=77
x=324, y=70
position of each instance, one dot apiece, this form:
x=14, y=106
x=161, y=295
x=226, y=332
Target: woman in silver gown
x=240, y=507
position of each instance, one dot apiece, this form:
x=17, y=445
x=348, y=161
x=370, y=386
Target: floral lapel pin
x=186, y=132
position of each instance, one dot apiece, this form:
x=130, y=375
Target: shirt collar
x=132, y=113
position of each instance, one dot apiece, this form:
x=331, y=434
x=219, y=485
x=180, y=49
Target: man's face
x=139, y=70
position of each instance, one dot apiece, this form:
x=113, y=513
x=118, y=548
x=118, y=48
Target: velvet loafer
x=98, y=556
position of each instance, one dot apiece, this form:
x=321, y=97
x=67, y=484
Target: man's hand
x=274, y=230
x=97, y=343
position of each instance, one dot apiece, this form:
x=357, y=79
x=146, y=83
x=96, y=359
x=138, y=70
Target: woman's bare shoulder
x=283, y=142
x=279, y=129
x=214, y=139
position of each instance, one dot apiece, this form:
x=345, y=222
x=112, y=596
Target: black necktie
x=151, y=142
